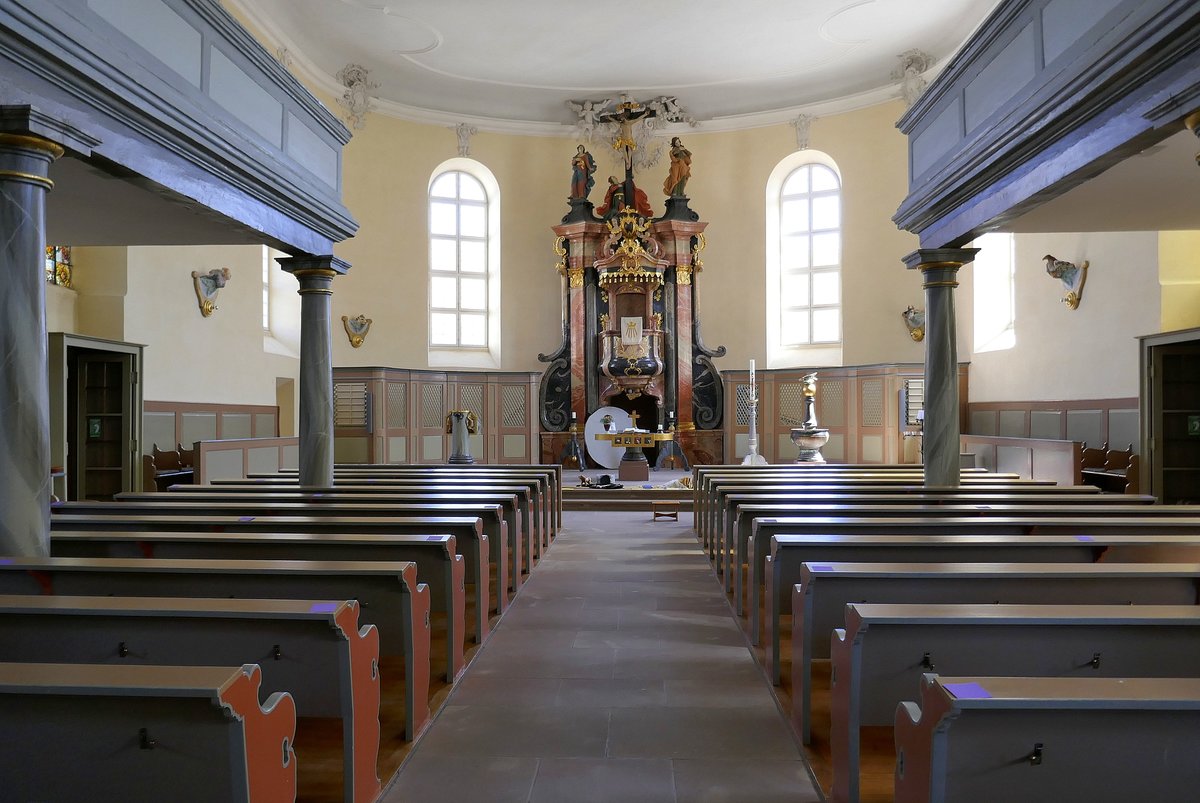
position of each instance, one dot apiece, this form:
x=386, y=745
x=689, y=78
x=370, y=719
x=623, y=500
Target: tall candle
x=752, y=373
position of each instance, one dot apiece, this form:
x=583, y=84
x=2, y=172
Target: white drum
x=603, y=452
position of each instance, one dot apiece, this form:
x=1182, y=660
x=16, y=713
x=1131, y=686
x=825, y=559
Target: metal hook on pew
x=277, y=653
x=144, y=740
x=1035, y=758
x=123, y=649
x=927, y=662
x=1095, y=662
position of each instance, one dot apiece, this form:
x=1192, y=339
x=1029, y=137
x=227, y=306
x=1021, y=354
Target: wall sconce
x=207, y=286
x=1072, y=276
x=914, y=319
x=357, y=328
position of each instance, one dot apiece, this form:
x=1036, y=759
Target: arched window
x=464, y=252
x=804, y=261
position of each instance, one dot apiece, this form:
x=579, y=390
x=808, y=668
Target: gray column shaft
x=24, y=365
x=941, y=441
x=316, y=382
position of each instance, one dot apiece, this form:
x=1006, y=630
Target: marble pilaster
x=939, y=270
x=315, y=275
x=24, y=365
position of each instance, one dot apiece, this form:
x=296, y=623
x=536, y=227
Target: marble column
x=24, y=365
x=316, y=275
x=939, y=270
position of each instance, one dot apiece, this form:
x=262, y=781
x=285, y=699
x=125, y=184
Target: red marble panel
x=683, y=345
x=578, y=356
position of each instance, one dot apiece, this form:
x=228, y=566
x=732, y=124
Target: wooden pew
x=1047, y=740
x=733, y=545
x=820, y=599
x=257, y=514
x=120, y=733
x=312, y=649
x=505, y=544
x=1033, y=522
x=438, y=563
x=528, y=502
x=551, y=471
x=740, y=509
x=547, y=485
x=880, y=655
x=520, y=541
x=388, y=593
x=715, y=508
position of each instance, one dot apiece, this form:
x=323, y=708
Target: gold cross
x=634, y=417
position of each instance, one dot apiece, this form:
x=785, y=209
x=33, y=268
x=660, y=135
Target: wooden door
x=102, y=441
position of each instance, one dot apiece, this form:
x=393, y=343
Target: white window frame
x=458, y=356
x=779, y=354
x=993, y=284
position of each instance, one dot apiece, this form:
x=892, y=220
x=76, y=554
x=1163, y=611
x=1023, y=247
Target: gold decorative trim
x=701, y=244
x=940, y=284
x=32, y=143
x=917, y=334
x=561, y=267
x=575, y=277
x=357, y=329
x=683, y=274
x=32, y=178
x=320, y=273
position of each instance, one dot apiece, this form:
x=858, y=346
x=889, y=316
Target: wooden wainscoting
x=168, y=424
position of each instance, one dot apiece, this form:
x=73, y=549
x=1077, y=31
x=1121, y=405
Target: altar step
x=631, y=497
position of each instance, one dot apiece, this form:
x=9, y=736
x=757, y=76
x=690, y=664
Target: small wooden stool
x=665, y=510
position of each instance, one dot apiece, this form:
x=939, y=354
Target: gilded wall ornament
x=1072, y=276
x=914, y=319
x=561, y=251
x=207, y=286
x=357, y=328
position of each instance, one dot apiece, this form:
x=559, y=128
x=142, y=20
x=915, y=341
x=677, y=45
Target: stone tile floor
x=618, y=674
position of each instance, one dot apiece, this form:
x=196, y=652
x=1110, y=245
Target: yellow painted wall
x=1179, y=279
x=388, y=164
x=1087, y=353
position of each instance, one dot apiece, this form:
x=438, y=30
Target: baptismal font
x=808, y=437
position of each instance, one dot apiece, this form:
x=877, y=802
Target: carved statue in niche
x=207, y=286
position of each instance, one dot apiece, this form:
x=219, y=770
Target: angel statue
x=207, y=286
x=588, y=112
x=1071, y=275
x=914, y=319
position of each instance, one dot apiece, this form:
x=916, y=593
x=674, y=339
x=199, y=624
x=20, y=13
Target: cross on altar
x=633, y=416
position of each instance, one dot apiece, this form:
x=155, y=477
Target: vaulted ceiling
x=513, y=65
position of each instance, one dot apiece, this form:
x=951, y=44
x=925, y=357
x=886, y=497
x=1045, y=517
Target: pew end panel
x=1049, y=739
x=128, y=733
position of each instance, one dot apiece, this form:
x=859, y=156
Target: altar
x=630, y=335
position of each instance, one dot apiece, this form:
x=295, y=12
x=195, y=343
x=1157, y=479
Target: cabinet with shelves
x=1170, y=415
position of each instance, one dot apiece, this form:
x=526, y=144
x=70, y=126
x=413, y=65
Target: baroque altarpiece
x=631, y=331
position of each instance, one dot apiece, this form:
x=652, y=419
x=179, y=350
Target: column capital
x=926, y=259
x=315, y=274
x=42, y=132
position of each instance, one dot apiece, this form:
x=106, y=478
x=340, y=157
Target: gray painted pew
x=735, y=549
x=388, y=594
x=712, y=515
x=550, y=474
x=878, y=658
x=820, y=599
x=505, y=542
x=312, y=649
x=1035, y=522
x=112, y=734
x=519, y=541
x=541, y=484
x=256, y=515
x=742, y=508
x=438, y=564
x=1049, y=740
x=528, y=505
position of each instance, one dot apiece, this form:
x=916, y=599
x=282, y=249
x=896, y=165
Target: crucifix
x=624, y=115
x=633, y=416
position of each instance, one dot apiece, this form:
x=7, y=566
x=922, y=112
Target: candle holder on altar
x=808, y=437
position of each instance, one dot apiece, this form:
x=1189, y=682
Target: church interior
x=720, y=304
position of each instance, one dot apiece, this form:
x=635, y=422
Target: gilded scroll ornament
x=207, y=286
x=357, y=328
x=561, y=251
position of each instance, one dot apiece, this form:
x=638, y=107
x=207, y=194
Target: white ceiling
x=519, y=62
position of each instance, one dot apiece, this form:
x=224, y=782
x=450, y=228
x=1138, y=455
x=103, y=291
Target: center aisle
x=618, y=674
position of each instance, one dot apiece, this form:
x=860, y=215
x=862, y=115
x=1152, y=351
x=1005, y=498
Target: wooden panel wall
x=166, y=424
x=1090, y=421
